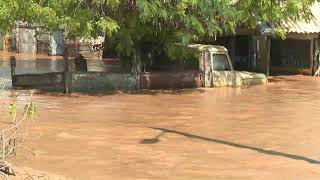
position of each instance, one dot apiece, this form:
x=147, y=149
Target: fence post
x=13, y=65
x=268, y=56
x=67, y=71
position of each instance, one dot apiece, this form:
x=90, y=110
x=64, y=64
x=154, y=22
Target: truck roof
x=211, y=48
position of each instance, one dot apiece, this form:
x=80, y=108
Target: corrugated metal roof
x=312, y=26
x=212, y=48
x=301, y=27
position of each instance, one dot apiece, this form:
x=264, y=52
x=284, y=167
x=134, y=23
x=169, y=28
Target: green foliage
x=12, y=112
x=30, y=110
x=108, y=25
x=266, y=12
x=161, y=24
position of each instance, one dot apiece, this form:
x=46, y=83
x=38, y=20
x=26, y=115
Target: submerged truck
x=217, y=70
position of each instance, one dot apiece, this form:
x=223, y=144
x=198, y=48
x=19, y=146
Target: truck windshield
x=220, y=62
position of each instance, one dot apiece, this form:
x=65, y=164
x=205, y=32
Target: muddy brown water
x=254, y=132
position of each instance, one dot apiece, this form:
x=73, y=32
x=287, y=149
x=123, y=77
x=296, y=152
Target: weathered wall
x=111, y=81
x=80, y=81
x=47, y=80
x=117, y=81
x=167, y=80
x=104, y=81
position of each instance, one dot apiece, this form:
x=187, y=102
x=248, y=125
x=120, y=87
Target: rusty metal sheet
x=27, y=42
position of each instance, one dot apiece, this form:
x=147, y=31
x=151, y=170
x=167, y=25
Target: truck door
x=222, y=70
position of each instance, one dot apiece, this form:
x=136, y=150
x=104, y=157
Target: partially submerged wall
x=47, y=80
x=170, y=80
x=111, y=81
x=88, y=81
x=104, y=81
x=80, y=81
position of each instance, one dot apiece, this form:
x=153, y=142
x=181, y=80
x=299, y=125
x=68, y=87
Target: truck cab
x=217, y=70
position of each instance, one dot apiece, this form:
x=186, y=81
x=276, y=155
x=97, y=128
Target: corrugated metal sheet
x=301, y=27
x=27, y=40
x=313, y=26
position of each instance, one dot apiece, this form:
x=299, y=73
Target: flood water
x=256, y=132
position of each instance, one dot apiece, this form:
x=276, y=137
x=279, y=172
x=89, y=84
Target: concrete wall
x=104, y=81
x=110, y=81
x=167, y=80
x=117, y=81
x=47, y=80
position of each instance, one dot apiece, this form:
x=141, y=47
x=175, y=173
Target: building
x=30, y=39
x=261, y=51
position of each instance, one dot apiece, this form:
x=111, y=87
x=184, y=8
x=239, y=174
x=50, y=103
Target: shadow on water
x=259, y=150
x=59, y=93
x=167, y=91
x=287, y=78
x=153, y=140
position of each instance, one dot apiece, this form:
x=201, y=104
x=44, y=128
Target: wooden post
x=311, y=57
x=67, y=71
x=315, y=56
x=268, y=56
x=13, y=64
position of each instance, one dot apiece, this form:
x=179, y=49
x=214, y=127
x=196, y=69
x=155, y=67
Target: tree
x=140, y=29
x=274, y=12
x=14, y=134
